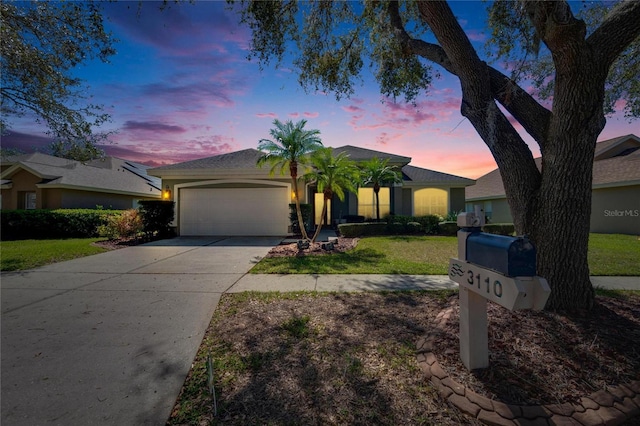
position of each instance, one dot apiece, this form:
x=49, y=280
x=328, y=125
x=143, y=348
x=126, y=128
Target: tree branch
x=619, y=28
x=521, y=105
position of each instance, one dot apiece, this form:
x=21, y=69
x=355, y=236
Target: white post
x=474, y=340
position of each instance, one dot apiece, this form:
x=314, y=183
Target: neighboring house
x=40, y=181
x=229, y=195
x=615, y=202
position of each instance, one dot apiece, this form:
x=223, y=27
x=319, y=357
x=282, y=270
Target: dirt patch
x=119, y=243
x=350, y=359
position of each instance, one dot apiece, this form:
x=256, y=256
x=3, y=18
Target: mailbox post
x=491, y=267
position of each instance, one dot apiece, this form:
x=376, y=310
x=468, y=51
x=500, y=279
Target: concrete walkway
x=108, y=339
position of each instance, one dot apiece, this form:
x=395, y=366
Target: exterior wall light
x=166, y=194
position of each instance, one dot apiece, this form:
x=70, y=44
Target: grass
x=614, y=254
x=27, y=254
x=374, y=255
x=609, y=255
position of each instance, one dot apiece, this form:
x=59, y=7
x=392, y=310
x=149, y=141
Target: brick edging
x=604, y=407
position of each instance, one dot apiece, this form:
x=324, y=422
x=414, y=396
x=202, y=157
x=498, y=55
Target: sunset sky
x=181, y=87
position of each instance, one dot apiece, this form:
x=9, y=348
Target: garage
x=234, y=211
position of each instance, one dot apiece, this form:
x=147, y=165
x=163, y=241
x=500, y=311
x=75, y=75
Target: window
x=430, y=201
x=30, y=200
x=367, y=202
x=318, y=203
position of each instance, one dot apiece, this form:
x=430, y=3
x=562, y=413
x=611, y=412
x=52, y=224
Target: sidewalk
x=352, y=283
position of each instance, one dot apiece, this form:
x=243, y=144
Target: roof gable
x=609, y=169
x=620, y=146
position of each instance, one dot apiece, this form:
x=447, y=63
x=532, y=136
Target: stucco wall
x=613, y=210
x=616, y=210
x=456, y=199
x=21, y=181
x=71, y=199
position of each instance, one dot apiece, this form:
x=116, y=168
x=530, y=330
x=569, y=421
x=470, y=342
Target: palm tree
x=332, y=175
x=289, y=149
x=377, y=172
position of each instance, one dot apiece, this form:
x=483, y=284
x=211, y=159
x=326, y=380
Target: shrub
x=448, y=228
x=306, y=210
x=452, y=216
x=396, y=228
x=499, y=228
x=413, y=228
x=429, y=223
x=352, y=230
x=157, y=217
x=125, y=225
x=53, y=224
x=352, y=218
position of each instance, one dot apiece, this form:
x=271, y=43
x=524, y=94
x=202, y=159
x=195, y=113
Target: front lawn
x=27, y=254
x=611, y=255
x=373, y=255
x=614, y=254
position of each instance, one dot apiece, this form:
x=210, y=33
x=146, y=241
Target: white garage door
x=234, y=211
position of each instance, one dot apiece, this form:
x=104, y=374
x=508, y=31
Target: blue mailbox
x=510, y=256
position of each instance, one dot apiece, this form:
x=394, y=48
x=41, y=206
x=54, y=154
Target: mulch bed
x=354, y=362
x=289, y=250
x=547, y=358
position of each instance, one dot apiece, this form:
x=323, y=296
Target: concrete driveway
x=109, y=339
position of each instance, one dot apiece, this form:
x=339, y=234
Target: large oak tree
x=582, y=65
x=40, y=45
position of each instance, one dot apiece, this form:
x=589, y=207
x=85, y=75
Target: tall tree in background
x=377, y=172
x=289, y=149
x=584, y=65
x=40, y=44
x=332, y=175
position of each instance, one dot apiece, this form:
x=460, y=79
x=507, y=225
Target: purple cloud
x=152, y=126
x=26, y=142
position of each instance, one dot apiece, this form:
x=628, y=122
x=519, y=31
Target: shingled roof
x=246, y=159
x=112, y=175
x=617, y=163
x=418, y=175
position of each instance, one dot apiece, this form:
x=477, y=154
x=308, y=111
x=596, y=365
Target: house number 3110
x=497, y=285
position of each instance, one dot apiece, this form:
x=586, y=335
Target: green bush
x=448, y=228
x=413, y=228
x=396, y=228
x=157, y=216
x=499, y=228
x=125, y=225
x=305, y=210
x=53, y=224
x=428, y=223
x=353, y=230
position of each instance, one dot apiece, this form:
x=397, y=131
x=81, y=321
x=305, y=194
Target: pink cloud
x=267, y=115
x=311, y=114
x=352, y=109
x=294, y=114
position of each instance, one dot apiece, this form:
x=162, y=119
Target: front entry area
x=234, y=211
